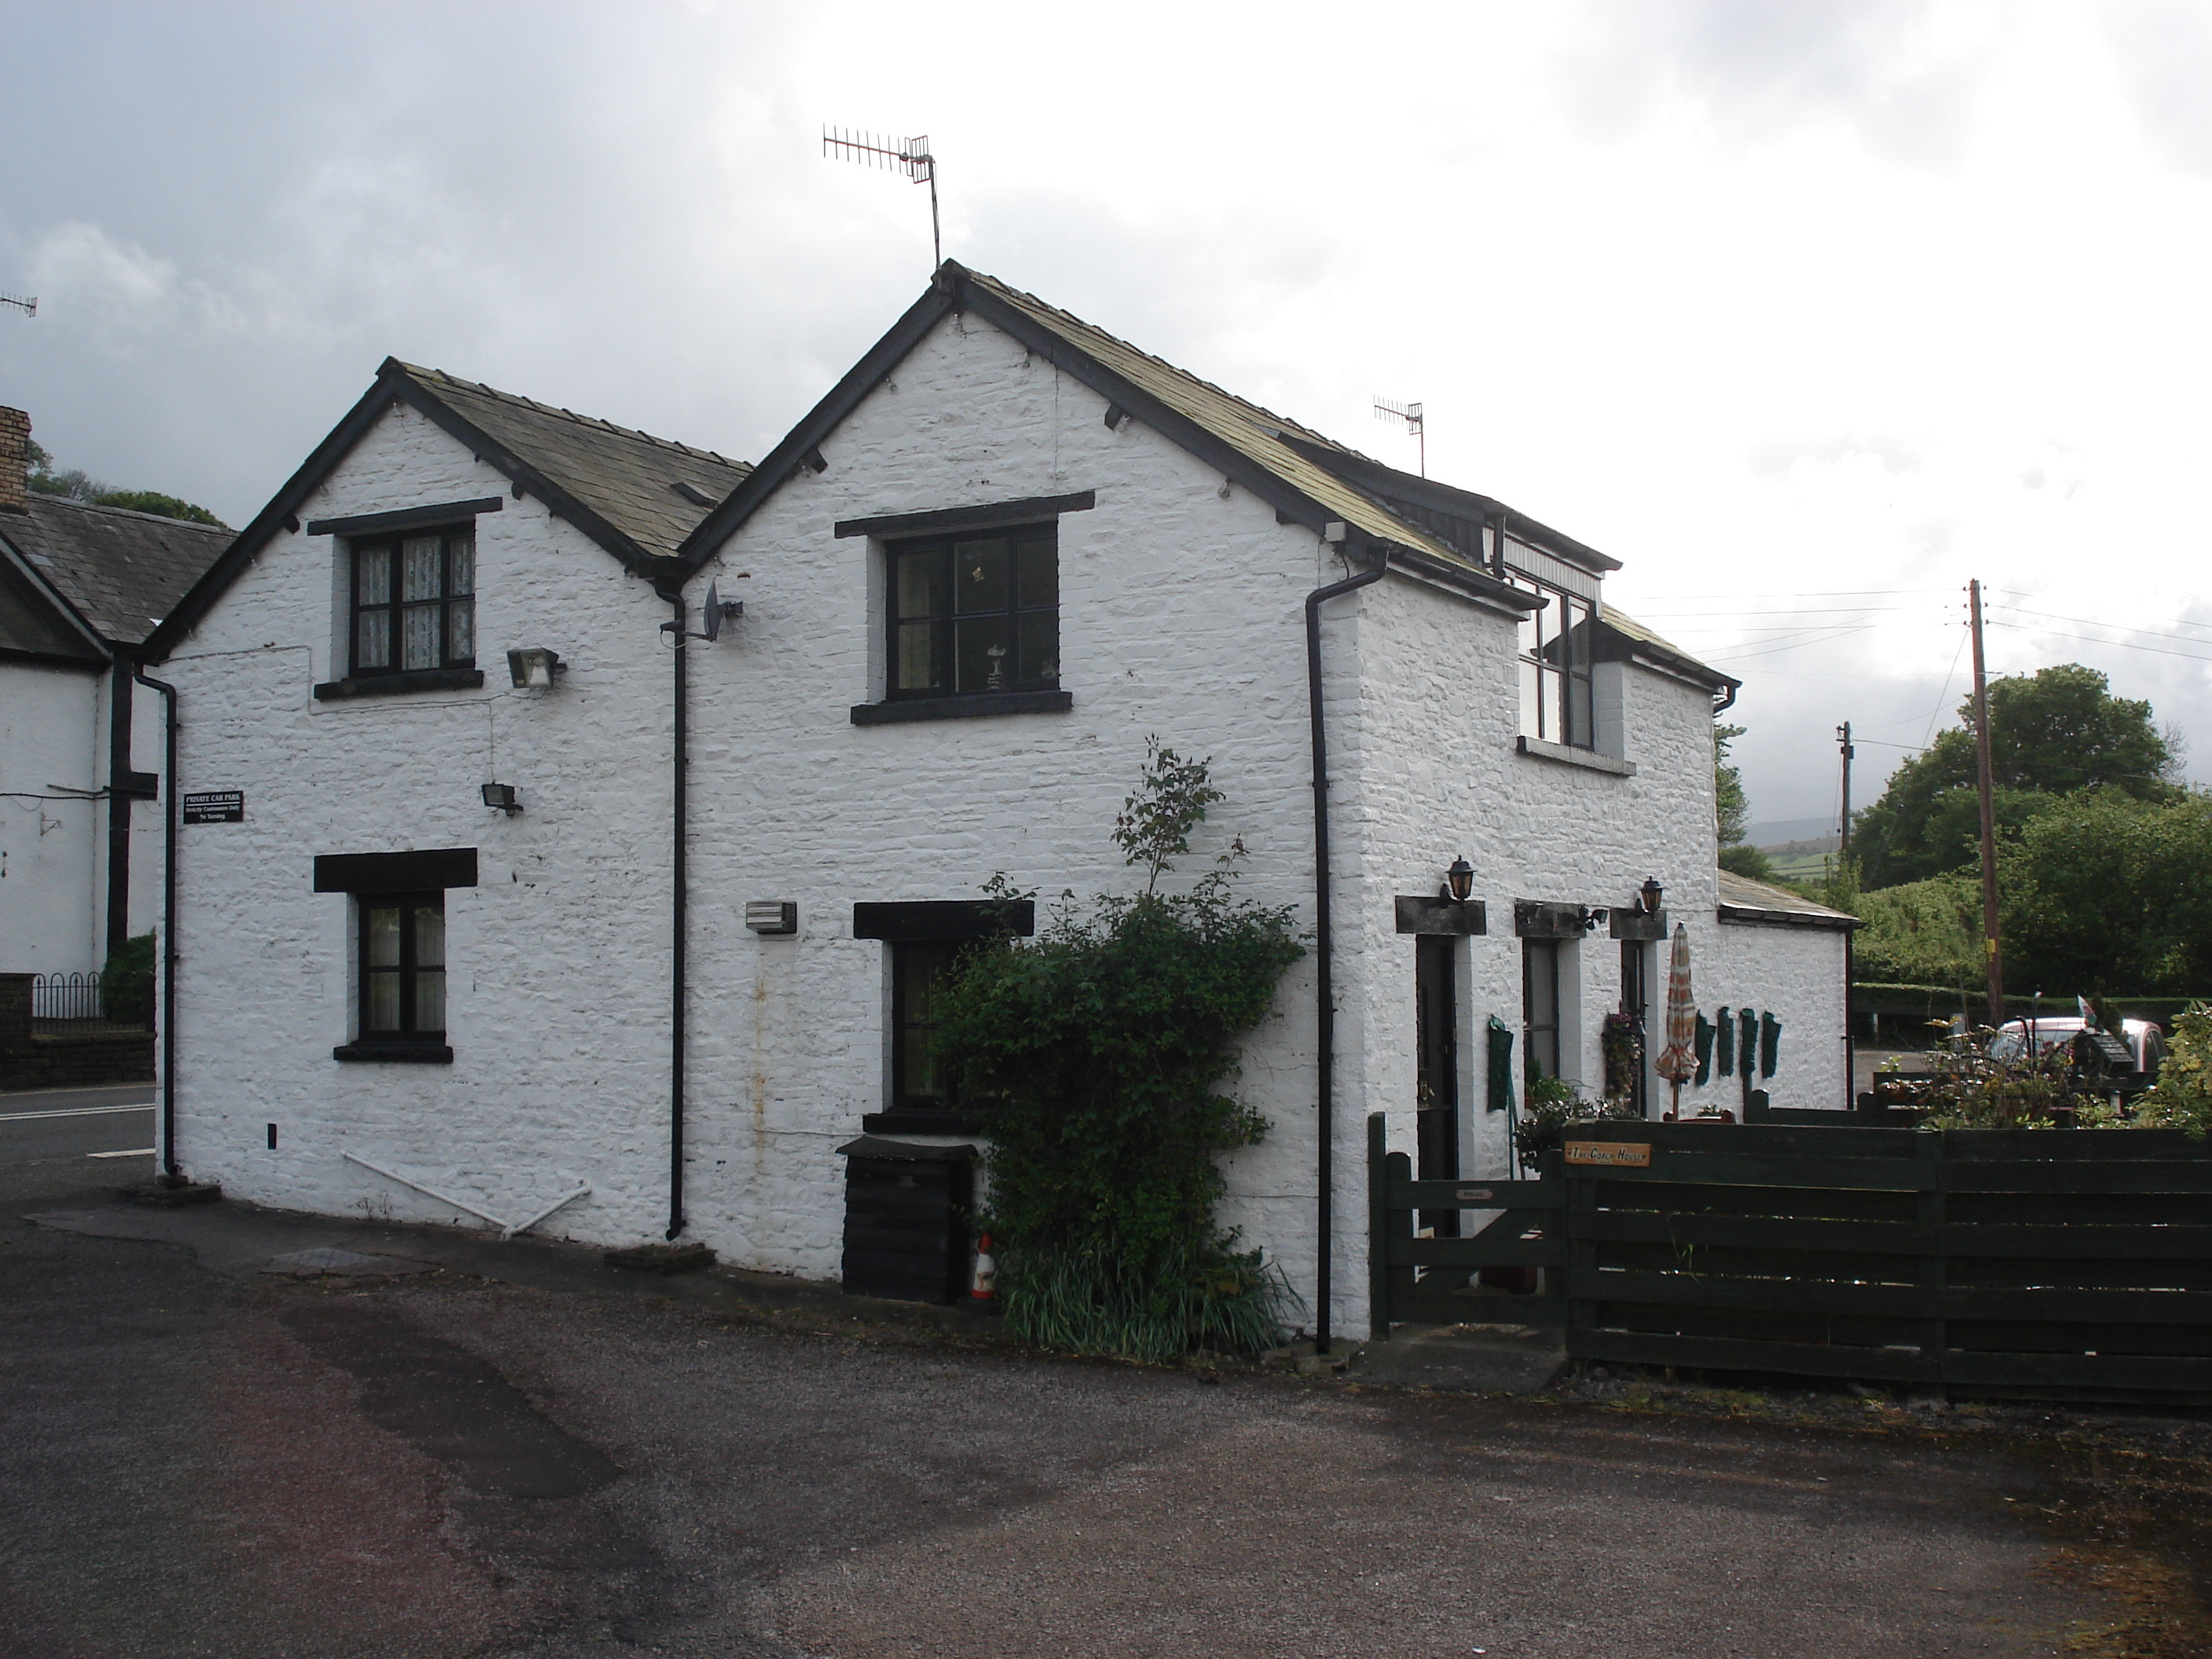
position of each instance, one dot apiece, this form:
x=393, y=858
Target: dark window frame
x=390, y=603
x=946, y=627
x=905, y=1111
x=940, y=954
x=408, y=972
x=1557, y=667
x=1540, y=1041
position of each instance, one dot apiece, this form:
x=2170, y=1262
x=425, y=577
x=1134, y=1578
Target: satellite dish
x=713, y=631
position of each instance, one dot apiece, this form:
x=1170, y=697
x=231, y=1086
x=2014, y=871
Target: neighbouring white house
x=521, y=884
x=80, y=588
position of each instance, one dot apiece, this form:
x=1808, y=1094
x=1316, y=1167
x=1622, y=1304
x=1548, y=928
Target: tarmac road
x=54, y=1123
x=225, y=1463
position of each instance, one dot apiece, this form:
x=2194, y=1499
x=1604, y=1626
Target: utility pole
x=1982, y=782
x=1844, y=839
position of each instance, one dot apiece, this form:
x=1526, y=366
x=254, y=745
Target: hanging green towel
x=1501, y=1066
x=1770, y=1044
x=1705, y=1041
x=1727, y=1044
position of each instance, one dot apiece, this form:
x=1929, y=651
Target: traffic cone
x=984, y=1287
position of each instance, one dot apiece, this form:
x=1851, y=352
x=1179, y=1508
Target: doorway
x=1436, y=1070
x=1636, y=1003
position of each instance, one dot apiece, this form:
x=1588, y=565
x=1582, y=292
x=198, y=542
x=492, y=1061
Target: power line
x=1773, y=650
x=2124, y=628
x=2091, y=638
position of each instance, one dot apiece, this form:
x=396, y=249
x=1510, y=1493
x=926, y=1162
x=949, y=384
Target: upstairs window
x=414, y=601
x=1557, y=701
x=974, y=614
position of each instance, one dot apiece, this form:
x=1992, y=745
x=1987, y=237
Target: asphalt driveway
x=205, y=1463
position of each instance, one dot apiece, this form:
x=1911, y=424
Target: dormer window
x=414, y=601
x=1557, y=701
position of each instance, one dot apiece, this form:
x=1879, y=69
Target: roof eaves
x=53, y=596
x=1642, y=642
x=283, y=511
x=1355, y=468
x=770, y=471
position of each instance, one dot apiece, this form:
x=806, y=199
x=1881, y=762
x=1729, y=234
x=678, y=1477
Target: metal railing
x=75, y=1000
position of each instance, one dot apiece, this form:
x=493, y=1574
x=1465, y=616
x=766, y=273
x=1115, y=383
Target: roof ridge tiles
x=518, y=400
x=132, y=512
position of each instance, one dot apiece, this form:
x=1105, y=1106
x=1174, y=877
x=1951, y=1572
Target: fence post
x=1379, y=1232
x=1934, y=1333
x=1580, y=1272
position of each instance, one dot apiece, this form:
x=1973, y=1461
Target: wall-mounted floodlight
x=772, y=915
x=534, y=666
x=502, y=797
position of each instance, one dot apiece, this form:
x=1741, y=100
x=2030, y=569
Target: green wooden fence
x=2004, y=1260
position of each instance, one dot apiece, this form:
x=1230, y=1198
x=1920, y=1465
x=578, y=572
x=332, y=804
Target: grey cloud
x=1764, y=70
x=1773, y=458
x=2163, y=49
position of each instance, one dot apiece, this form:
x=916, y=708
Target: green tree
x=78, y=485
x=1731, y=806
x=2053, y=732
x=2104, y=893
x=1744, y=859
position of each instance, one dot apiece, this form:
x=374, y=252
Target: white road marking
x=74, y=1111
x=136, y=1151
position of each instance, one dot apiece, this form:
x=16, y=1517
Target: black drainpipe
x=680, y=955
x=169, y=954
x=1325, y=1059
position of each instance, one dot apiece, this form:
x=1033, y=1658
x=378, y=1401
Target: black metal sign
x=215, y=806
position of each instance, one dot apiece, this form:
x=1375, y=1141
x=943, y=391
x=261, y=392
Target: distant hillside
x=1775, y=832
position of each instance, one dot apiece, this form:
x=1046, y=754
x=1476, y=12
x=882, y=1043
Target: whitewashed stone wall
x=52, y=891
x=1442, y=777
x=1182, y=617
x=1796, y=974
x=557, y=1001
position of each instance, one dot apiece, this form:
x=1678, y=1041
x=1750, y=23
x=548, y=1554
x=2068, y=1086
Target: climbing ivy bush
x=1095, y=1058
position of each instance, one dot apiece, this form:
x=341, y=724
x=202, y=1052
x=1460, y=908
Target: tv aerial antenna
x=910, y=156
x=1416, y=423
x=30, y=307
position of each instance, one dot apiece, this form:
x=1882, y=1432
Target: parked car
x=2143, y=1039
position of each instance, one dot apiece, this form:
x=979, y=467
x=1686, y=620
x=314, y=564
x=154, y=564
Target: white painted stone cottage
x=1004, y=551
x=81, y=834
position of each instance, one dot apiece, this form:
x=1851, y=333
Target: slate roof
x=122, y=571
x=1255, y=433
x=1313, y=464
x=638, y=496
x=628, y=478
x=1745, y=900
x=31, y=624
x=1311, y=478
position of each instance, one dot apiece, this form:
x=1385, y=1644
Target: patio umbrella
x=1678, y=1059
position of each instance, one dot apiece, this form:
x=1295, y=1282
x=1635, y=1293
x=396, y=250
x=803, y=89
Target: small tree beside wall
x=1094, y=1057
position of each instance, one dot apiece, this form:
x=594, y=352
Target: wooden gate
x=2023, y=1261
x=1436, y=1281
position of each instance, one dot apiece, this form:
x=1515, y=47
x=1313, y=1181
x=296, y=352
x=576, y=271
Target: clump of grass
x=1097, y=1301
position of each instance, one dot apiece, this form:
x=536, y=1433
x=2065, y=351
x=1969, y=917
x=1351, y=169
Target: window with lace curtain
x=414, y=601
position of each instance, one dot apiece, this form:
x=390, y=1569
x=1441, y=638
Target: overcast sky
x=1807, y=312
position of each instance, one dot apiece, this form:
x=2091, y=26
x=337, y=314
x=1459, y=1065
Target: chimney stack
x=14, y=459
